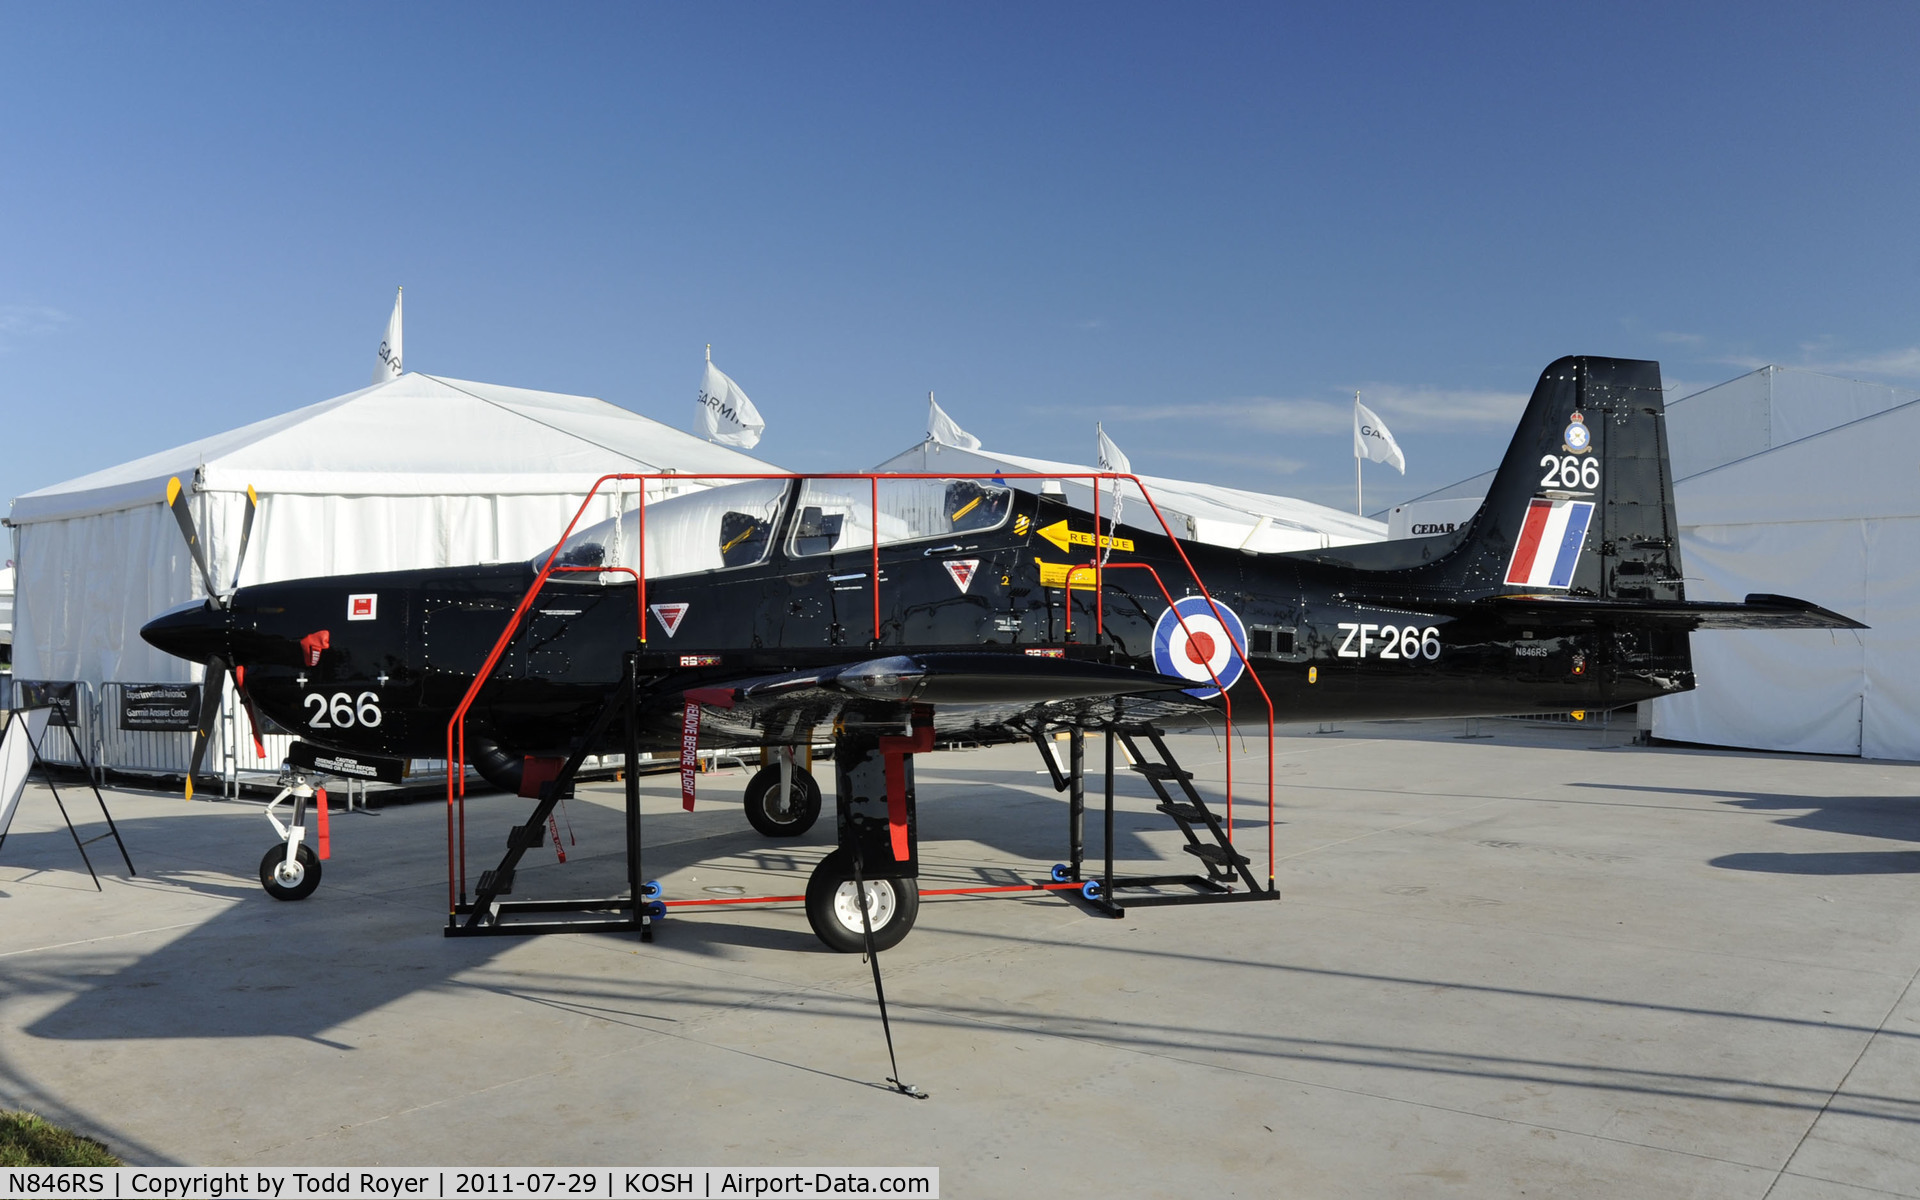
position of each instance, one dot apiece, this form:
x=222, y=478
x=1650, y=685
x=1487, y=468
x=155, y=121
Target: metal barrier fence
x=231, y=756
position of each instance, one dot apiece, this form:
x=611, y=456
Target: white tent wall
x=1833, y=518
x=303, y=535
x=1798, y=690
x=1890, y=721
x=86, y=587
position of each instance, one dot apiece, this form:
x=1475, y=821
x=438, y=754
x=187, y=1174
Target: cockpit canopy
x=735, y=525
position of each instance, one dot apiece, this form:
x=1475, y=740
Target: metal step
x=1154, y=770
x=1184, y=812
x=527, y=837
x=495, y=883
x=1217, y=855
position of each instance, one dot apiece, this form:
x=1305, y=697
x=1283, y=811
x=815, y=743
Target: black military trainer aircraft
x=903, y=612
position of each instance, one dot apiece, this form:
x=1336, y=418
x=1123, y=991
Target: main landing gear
x=833, y=906
x=291, y=871
x=877, y=865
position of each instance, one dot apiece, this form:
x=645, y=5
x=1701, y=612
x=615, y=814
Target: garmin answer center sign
x=160, y=707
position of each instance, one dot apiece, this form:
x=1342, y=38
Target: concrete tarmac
x=1537, y=964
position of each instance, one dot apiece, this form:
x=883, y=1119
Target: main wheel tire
x=834, y=911
x=290, y=883
x=765, y=811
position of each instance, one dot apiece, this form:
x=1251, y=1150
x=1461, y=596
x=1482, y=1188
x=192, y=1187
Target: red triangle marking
x=669, y=615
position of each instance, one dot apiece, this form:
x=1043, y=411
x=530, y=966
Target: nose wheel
x=782, y=816
x=293, y=880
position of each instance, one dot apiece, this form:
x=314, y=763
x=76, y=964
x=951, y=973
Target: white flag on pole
x=1372, y=440
x=940, y=428
x=1111, y=458
x=387, y=365
x=725, y=412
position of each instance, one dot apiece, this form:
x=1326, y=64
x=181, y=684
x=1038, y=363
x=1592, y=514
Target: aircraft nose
x=195, y=631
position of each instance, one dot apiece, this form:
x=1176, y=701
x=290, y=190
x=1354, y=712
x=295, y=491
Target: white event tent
x=419, y=471
x=1200, y=512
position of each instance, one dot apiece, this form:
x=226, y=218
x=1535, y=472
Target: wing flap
x=956, y=677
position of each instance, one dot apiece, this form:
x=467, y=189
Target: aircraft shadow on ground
x=261, y=968
x=1893, y=817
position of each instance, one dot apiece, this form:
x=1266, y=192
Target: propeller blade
x=177, y=501
x=253, y=714
x=240, y=556
x=216, y=683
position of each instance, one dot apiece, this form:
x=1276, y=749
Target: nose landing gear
x=291, y=871
x=783, y=798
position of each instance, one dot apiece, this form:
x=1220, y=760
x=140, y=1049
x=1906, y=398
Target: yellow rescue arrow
x=1067, y=539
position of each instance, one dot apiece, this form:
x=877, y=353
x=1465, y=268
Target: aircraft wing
x=967, y=690
x=1760, y=610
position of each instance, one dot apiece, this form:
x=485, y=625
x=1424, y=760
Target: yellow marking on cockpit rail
x=1057, y=574
x=966, y=508
x=741, y=537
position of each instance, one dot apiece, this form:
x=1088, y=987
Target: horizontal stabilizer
x=1760, y=610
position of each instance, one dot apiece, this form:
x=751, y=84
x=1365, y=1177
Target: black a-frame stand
x=19, y=724
x=487, y=914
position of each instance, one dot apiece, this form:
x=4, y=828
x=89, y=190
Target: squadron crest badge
x=1578, y=438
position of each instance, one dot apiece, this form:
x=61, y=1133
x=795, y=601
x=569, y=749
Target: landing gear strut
x=874, y=800
x=783, y=811
x=291, y=871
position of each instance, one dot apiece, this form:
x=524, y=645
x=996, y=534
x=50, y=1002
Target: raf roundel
x=1189, y=641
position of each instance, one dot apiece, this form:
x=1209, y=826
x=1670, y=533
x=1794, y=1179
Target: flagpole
x=1359, y=506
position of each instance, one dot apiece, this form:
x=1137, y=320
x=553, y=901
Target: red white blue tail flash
x=1549, y=543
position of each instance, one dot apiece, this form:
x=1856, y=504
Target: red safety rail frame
x=456, y=725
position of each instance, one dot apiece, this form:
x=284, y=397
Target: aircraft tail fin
x=1582, y=504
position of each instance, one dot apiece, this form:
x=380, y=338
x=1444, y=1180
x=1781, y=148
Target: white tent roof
x=1209, y=513
x=415, y=435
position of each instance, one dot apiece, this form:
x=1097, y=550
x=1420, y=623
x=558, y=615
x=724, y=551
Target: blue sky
x=1205, y=225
